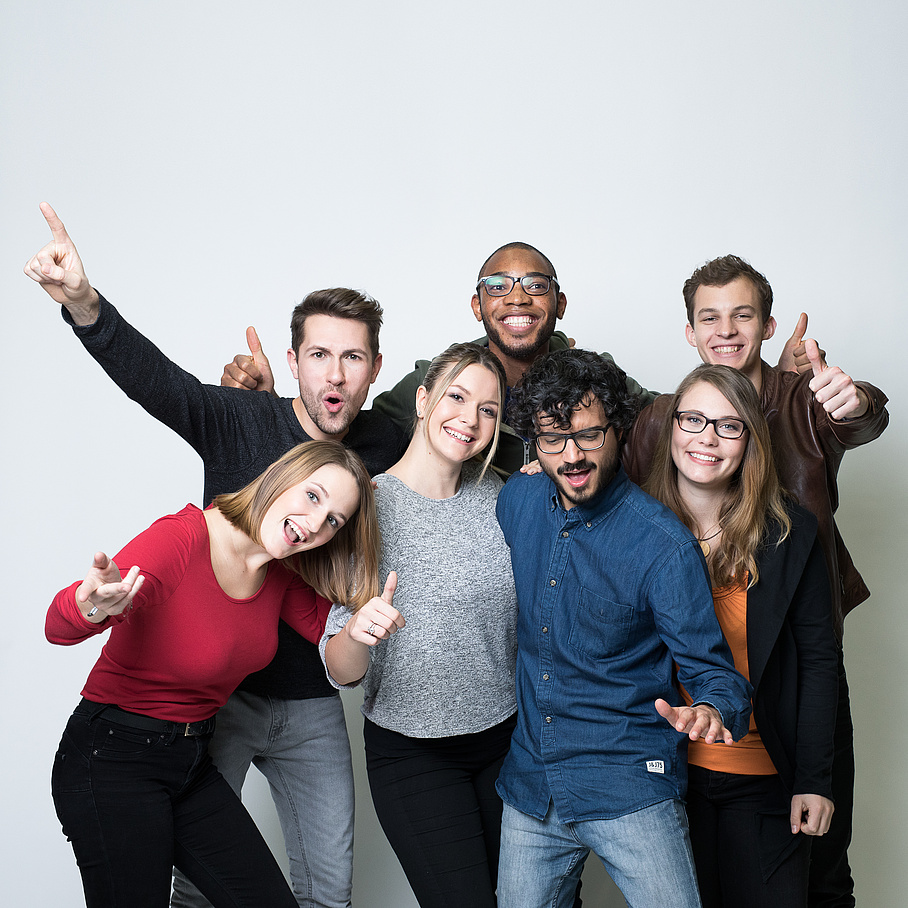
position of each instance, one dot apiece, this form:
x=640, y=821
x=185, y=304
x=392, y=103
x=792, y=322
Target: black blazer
x=792, y=657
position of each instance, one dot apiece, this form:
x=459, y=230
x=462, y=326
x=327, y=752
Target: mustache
x=578, y=467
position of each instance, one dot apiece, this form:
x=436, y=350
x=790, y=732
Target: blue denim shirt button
x=545, y=630
x=545, y=677
x=552, y=582
x=548, y=719
x=565, y=534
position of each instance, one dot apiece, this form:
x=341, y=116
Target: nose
x=317, y=522
x=470, y=416
x=727, y=327
x=336, y=373
x=571, y=453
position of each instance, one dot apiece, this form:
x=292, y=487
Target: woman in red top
x=753, y=807
x=196, y=612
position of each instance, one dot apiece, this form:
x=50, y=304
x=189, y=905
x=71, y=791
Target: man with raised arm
x=286, y=718
x=813, y=419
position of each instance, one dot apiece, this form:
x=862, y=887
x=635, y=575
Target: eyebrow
x=319, y=486
x=514, y=274
x=745, y=308
x=312, y=348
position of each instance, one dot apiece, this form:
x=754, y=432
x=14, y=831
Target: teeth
x=519, y=321
x=294, y=529
x=459, y=435
x=733, y=349
x=704, y=457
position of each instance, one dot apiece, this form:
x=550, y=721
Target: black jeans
x=436, y=801
x=740, y=833
x=134, y=803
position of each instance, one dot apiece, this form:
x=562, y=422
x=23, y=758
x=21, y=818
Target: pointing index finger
x=57, y=230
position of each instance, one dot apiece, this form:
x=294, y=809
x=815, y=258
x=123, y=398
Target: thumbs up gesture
x=794, y=353
x=378, y=618
x=249, y=372
x=832, y=388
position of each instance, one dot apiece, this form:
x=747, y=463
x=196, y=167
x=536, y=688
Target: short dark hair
x=527, y=248
x=557, y=384
x=722, y=271
x=338, y=302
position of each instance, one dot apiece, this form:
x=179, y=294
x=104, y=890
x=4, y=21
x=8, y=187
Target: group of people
x=551, y=666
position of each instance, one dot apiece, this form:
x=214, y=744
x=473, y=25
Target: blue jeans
x=301, y=747
x=647, y=854
x=134, y=803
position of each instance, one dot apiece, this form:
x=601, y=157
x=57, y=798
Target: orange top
x=748, y=756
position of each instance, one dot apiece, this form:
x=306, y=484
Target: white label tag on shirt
x=655, y=766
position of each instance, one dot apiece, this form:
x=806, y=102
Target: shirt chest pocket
x=601, y=627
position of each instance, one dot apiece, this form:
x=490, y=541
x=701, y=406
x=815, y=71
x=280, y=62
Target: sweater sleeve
x=206, y=416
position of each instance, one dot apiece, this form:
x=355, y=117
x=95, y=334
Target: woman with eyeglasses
x=197, y=611
x=436, y=652
x=753, y=807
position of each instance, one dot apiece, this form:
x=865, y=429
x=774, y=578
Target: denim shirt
x=610, y=595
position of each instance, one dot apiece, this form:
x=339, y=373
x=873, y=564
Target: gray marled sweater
x=450, y=671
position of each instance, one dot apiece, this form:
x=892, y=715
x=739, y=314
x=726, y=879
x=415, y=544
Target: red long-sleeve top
x=184, y=645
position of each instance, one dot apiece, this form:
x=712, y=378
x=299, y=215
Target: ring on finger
x=370, y=630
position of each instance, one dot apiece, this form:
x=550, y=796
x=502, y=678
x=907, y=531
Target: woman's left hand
x=531, y=468
x=811, y=814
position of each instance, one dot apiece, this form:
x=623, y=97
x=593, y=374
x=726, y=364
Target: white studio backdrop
x=215, y=162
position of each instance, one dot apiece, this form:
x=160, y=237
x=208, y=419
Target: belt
x=149, y=723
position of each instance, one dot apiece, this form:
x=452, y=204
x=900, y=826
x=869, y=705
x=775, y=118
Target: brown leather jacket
x=808, y=447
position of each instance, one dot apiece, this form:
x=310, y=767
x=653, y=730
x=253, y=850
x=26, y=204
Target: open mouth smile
x=293, y=533
x=459, y=436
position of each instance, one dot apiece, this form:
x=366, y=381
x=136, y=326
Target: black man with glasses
x=518, y=300
x=613, y=594
x=813, y=419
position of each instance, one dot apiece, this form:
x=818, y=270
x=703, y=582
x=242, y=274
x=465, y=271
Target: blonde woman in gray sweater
x=436, y=652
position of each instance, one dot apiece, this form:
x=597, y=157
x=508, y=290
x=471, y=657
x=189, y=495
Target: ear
x=376, y=368
x=476, y=307
x=689, y=334
x=769, y=328
x=294, y=366
x=422, y=395
x=562, y=305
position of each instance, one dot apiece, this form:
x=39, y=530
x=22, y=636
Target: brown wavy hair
x=344, y=569
x=754, y=501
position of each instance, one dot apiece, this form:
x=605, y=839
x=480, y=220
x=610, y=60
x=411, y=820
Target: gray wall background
x=214, y=162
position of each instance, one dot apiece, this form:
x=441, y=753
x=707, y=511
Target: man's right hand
x=58, y=269
x=252, y=373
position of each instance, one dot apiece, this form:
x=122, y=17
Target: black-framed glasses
x=725, y=426
x=586, y=440
x=503, y=284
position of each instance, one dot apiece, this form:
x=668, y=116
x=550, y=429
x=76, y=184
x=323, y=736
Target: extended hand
x=701, y=721
x=58, y=269
x=832, y=388
x=252, y=373
x=105, y=591
x=811, y=814
x=378, y=618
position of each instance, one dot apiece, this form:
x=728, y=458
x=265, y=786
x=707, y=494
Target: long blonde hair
x=754, y=500
x=344, y=569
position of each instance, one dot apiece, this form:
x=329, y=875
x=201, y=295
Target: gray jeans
x=301, y=747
